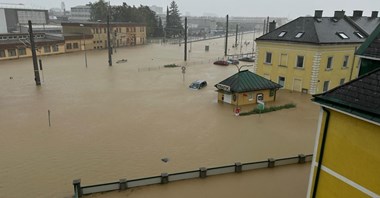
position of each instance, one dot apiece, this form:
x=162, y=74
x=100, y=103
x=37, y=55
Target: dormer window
x=299, y=34
x=358, y=34
x=282, y=34
x=342, y=35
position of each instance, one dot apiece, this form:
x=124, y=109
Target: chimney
x=357, y=13
x=339, y=14
x=318, y=14
x=272, y=26
x=374, y=14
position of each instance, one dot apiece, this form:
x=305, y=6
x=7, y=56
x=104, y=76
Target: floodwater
x=109, y=123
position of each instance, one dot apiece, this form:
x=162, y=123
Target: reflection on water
x=113, y=122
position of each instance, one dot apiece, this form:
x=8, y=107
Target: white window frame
x=345, y=62
x=303, y=61
x=329, y=66
x=266, y=57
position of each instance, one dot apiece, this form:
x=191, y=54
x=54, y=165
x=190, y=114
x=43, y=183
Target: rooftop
x=371, y=47
x=360, y=97
x=337, y=29
x=245, y=81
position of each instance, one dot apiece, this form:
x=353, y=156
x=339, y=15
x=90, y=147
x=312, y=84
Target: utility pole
x=34, y=55
x=109, y=39
x=185, y=38
x=236, y=36
x=226, y=44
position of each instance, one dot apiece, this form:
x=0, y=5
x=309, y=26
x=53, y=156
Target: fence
x=203, y=172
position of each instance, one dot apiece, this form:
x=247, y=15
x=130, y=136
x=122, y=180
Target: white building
x=11, y=19
x=80, y=13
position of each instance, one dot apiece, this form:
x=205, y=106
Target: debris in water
x=165, y=159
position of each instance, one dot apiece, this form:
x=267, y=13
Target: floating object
x=11, y=77
x=122, y=61
x=165, y=159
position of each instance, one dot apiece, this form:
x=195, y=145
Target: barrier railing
x=203, y=172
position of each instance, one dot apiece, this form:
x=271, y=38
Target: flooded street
x=117, y=122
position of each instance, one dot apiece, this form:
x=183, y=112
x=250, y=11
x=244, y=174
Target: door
x=297, y=85
x=227, y=98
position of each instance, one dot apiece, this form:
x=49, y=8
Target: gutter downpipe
x=321, y=151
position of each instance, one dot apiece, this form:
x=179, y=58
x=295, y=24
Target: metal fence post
x=202, y=172
x=301, y=158
x=123, y=184
x=77, y=188
x=238, y=167
x=271, y=162
x=164, y=178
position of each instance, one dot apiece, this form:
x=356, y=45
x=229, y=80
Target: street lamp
x=84, y=46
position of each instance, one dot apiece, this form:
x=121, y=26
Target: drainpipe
x=321, y=151
x=353, y=64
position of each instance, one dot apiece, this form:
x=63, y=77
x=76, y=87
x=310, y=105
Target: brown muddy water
x=117, y=122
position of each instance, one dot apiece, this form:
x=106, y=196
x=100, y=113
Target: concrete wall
x=351, y=158
x=313, y=74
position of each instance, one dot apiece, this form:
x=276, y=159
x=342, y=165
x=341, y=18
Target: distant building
x=11, y=19
x=55, y=29
x=314, y=54
x=80, y=13
x=346, y=157
x=123, y=34
x=245, y=88
x=369, y=53
x=14, y=46
x=157, y=9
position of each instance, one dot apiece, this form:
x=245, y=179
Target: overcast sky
x=276, y=8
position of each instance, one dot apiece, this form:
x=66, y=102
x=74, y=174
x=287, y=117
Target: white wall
x=3, y=22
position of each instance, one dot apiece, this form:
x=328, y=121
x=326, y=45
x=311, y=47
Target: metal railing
x=124, y=184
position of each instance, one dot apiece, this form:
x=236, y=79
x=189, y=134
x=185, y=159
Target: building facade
x=14, y=46
x=80, y=13
x=346, y=156
x=313, y=54
x=246, y=88
x=11, y=19
x=122, y=34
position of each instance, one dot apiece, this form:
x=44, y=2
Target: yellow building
x=314, y=54
x=122, y=33
x=346, y=156
x=245, y=88
x=14, y=46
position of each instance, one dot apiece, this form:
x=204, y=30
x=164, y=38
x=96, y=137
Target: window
x=127, y=29
x=341, y=81
x=358, y=34
x=268, y=57
x=21, y=51
x=11, y=52
x=300, y=60
x=2, y=53
x=299, y=34
x=342, y=35
x=250, y=96
x=271, y=92
x=281, y=81
x=282, y=34
x=105, y=30
x=75, y=46
x=329, y=62
x=55, y=48
x=69, y=46
x=47, y=49
x=345, y=61
x=326, y=86
x=96, y=30
x=283, y=59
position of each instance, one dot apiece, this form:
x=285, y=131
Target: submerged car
x=233, y=61
x=247, y=59
x=198, y=84
x=221, y=62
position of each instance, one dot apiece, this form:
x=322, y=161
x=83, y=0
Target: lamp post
x=84, y=46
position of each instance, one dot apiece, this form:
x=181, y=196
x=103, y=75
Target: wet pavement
x=118, y=122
